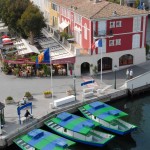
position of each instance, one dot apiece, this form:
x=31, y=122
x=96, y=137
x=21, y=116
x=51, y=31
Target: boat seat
x=88, y=114
x=50, y=123
x=95, y=139
x=27, y=146
x=58, y=127
x=23, y=144
x=53, y=125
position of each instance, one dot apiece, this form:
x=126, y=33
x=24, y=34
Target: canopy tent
x=6, y=39
x=27, y=51
x=8, y=42
x=19, y=62
x=63, y=25
x=27, y=48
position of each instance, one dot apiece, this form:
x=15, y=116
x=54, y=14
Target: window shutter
x=138, y=23
x=136, y=41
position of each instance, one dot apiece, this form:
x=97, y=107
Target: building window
x=137, y=24
x=118, y=24
x=68, y=13
x=118, y=41
x=85, y=31
x=111, y=42
x=112, y=24
x=77, y=18
x=136, y=41
x=126, y=60
x=58, y=8
x=64, y=11
x=54, y=6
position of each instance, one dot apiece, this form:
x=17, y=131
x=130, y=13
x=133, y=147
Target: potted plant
x=47, y=94
x=28, y=95
x=95, y=70
x=16, y=72
x=70, y=92
x=9, y=100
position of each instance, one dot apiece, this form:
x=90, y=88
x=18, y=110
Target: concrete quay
x=16, y=87
x=12, y=129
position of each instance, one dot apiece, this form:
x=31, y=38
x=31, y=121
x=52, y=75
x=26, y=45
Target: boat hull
x=80, y=141
x=111, y=129
x=118, y=131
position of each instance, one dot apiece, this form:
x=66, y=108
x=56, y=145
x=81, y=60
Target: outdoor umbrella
x=6, y=39
x=5, y=36
x=6, y=42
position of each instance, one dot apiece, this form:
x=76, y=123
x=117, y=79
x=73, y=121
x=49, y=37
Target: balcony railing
x=103, y=33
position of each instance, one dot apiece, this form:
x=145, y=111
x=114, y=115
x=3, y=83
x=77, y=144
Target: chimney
x=96, y=1
x=114, y=13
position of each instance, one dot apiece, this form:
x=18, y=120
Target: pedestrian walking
x=127, y=74
x=131, y=74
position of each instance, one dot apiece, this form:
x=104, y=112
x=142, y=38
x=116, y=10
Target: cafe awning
x=64, y=60
x=63, y=25
x=27, y=48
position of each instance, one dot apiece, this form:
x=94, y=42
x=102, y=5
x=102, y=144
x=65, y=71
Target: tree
x=32, y=21
x=11, y=12
x=22, y=17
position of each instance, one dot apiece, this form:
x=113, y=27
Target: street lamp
x=115, y=69
x=74, y=79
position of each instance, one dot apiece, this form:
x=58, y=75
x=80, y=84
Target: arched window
x=126, y=60
x=106, y=64
x=85, y=68
x=85, y=31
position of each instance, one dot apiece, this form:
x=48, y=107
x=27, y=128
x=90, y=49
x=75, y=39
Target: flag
x=97, y=43
x=43, y=57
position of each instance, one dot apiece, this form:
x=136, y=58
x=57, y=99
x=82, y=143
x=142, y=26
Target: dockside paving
x=16, y=87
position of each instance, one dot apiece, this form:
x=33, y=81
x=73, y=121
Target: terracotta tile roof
x=101, y=9
x=107, y=11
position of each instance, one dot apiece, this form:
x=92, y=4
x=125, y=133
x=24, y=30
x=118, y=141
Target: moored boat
x=108, y=117
x=39, y=139
x=78, y=129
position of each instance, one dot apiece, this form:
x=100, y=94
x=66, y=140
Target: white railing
x=139, y=81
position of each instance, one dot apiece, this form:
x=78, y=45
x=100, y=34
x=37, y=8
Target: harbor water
x=138, y=110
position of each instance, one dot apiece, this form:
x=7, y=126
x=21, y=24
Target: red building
x=121, y=28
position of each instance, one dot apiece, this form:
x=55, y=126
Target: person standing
x=131, y=74
x=127, y=74
x=27, y=114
